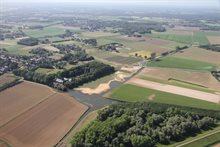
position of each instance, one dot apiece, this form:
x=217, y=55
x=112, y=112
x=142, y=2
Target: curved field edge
x=132, y=93
x=38, y=109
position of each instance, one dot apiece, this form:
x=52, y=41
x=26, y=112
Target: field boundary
x=210, y=134
x=28, y=109
x=214, y=98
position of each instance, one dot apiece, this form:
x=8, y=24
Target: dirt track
x=176, y=90
x=45, y=123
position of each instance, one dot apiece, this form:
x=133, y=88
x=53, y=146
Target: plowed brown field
x=37, y=116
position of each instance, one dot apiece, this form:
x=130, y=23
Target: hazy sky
x=203, y=3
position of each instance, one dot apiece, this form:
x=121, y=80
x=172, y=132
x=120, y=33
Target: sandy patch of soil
x=120, y=76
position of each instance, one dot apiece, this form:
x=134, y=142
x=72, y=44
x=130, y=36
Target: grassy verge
x=132, y=93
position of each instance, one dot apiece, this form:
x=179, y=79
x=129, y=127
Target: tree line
x=144, y=125
x=76, y=76
x=212, y=47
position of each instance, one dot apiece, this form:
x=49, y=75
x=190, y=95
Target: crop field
x=98, y=34
x=210, y=97
x=123, y=60
x=174, y=62
x=149, y=44
x=10, y=98
x=214, y=39
x=204, y=79
x=37, y=117
x=199, y=54
x=49, y=31
x=18, y=50
x=133, y=93
x=194, y=38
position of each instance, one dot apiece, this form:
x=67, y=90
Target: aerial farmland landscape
x=94, y=73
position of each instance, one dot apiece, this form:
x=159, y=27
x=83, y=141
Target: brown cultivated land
x=176, y=90
x=200, y=55
x=200, y=78
x=49, y=117
x=17, y=99
x=214, y=39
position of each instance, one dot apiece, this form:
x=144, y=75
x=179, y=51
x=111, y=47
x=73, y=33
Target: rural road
x=215, y=98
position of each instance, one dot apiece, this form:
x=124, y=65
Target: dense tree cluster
x=216, y=74
x=212, y=47
x=34, y=27
x=41, y=52
x=178, y=48
x=127, y=27
x=28, y=41
x=67, y=33
x=143, y=125
x=76, y=76
x=86, y=73
x=65, y=49
x=92, y=42
x=112, y=47
x=76, y=57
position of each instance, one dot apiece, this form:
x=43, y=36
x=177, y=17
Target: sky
x=192, y=3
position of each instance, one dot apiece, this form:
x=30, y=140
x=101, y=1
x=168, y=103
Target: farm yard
x=42, y=117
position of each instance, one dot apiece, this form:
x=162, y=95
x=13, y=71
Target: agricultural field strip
x=176, y=90
x=198, y=138
x=27, y=118
x=27, y=109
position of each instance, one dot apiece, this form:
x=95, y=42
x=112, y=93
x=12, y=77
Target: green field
x=205, y=142
x=47, y=71
x=18, y=50
x=99, y=81
x=195, y=38
x=49, y=31
x=131, y=93
x=173, y=62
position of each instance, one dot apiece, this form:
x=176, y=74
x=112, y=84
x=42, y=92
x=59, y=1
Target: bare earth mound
x=45, y=123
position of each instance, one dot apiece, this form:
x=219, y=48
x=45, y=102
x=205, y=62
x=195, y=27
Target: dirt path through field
x=176, y=90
